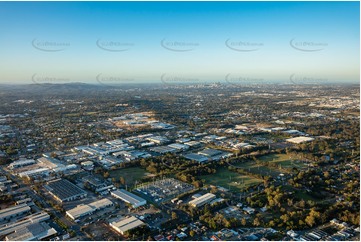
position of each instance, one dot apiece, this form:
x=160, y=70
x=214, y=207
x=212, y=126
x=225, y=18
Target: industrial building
x=128, y=197
x=163, y=149
x=125, y=224
x=158, y=139
x=88, y=209
x=17, y=225
x=35, y=231
x=87, y=165
x=193, y=144
x=21, y=163
x=299, y=140
x=64, y=191
x=196, y=157
x=202, y=200
x=179, y=146
x=210, y=152
x=50, y=162
x=14, y=211
x=35, y=172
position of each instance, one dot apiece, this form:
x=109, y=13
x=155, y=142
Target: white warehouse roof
x=199, y=201
x=128, y=197
x=299, y=140
x=124, y=225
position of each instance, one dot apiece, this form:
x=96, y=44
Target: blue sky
x=205, y=41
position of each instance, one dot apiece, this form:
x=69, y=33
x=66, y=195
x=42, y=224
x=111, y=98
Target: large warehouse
x=21, y=223
x=123, y=225
x=299, y=139
x=14, y=211
x=200, y=201
x=35, y=231
x=88, y=209
x=128, y=197
x=65, y=191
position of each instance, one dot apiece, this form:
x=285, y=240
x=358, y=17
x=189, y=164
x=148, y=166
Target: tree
x=312, y=217
x=243, y=222
x=122, y=180
x=192, y=233
x=106, y=175
x=174, y=216
x=256, y=222
x=310, y=221
x=285, y=218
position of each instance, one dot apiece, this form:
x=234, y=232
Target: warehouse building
x=210, y=152
x=21, y=163
x=65, y=191
x=35, y=231
x=88, y=209
x=179, y=147
x=37, y=172
x=15, y=226
x=50, y=162
x=196, y=157
x=202, y=200
x=14, y=211
x=300, y=139
x=158, y=139
x=128, y=197
x=125, y=224
x=163, y=149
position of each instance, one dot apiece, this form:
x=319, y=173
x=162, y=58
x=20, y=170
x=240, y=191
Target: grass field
x=230, y=180
x=283, y=161
x=130, y=175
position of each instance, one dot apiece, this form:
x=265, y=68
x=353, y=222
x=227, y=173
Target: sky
x=116, y=42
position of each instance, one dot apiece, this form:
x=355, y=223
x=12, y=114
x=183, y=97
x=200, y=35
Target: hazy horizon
x=171, y=42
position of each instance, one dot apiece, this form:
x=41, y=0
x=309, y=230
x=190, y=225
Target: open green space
x=284, y=164
x=304, y=196
x=230, y=180
x=283, y=160
x=130, y=175
x=253, y=167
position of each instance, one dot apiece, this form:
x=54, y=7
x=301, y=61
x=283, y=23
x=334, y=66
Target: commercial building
x=88, y=209
x=14, y=211
x=64, y=191
x=202, y=200
x=299, y=140
x=125, y=224
x=128, y=197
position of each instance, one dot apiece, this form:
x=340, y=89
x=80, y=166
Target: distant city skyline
x=179, y=42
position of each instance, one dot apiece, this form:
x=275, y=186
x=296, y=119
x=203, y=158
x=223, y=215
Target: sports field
x=283, y=160
x=284, y=164
x=230, y=180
